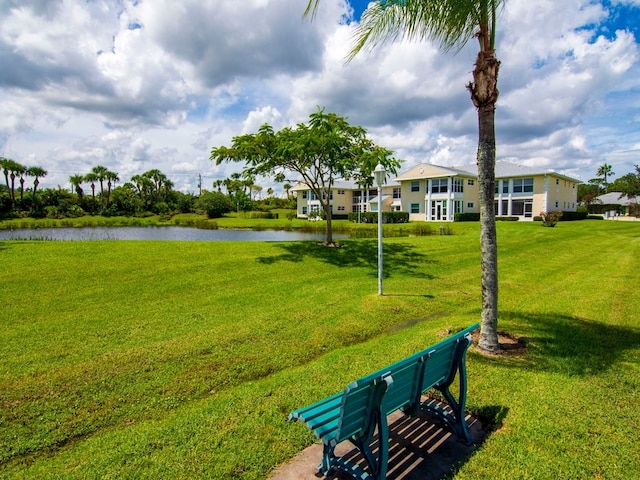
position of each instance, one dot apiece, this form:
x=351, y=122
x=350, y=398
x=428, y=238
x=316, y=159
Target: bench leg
x=456, y=418
x=376, y=464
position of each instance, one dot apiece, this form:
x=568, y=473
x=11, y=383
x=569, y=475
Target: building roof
x=509, y=169
x=343, y=185
x=427, y=170
x=338, y=184
x=616, y=198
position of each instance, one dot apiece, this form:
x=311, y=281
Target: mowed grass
x=183, y=359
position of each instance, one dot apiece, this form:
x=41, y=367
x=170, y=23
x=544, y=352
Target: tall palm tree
x=451, y=24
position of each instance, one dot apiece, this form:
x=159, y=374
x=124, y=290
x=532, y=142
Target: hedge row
x=387, y=217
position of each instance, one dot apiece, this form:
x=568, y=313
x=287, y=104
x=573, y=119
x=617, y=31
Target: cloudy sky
x=139, y=84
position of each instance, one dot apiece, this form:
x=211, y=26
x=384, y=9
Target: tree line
x=151, y=192
x=627, y=185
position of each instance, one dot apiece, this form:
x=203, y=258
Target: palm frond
x=449, y=23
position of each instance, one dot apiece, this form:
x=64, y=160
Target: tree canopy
x=318, y=153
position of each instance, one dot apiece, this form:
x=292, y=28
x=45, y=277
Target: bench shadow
x=568, y=345
x=422, y=448
x=398, y=258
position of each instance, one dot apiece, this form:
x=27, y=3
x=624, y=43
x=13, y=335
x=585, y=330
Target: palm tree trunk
x=484, y=94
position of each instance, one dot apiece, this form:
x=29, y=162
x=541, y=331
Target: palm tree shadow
x=398, y=258
x=570, y=345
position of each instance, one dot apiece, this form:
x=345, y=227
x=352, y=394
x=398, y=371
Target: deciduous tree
x=321, y=151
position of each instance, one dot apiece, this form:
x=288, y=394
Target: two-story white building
x=434, y=193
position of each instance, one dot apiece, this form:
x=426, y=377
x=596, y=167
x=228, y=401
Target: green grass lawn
x=127, y=359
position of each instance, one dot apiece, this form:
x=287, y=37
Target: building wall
x=410, y=198
x=523, y=196
x=563, y=194
x=549, y=192
x=343, y=200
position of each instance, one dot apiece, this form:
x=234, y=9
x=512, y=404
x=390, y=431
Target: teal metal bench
x=363, y=406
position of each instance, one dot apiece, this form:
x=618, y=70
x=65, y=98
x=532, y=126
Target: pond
x=162, y=233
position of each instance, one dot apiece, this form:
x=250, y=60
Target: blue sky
x=139, y=84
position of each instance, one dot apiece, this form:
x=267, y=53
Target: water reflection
x=161, y=233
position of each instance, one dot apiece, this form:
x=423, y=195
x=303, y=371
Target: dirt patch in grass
x=510, y=345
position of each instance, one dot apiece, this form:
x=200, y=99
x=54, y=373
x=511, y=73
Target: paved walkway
x=419, y=449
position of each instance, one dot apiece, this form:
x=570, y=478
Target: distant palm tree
x=287, y=187
x=112, y=178
x=604, y=171
x=101, y=175
x=21, y=171
x=451, y=24
x=92, y=178
x=38, y=173
x=75, y=181
x=10, y=169
x=218, y=184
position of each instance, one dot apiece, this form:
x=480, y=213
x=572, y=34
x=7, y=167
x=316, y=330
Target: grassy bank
x=183, y=359
x=231, y=220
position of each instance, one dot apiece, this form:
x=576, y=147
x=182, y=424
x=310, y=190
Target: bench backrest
x=400, y=384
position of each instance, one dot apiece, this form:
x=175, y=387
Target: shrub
x=265, y=215
x=422, y=228
x=387, y=217
x=549, y=219
x=570, y=216
x=316, y=215
x=466, y=217
x=215, y=204
x=507, y=219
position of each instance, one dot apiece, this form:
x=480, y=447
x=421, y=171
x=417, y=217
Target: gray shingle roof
x=613, y=198
x=508, y=169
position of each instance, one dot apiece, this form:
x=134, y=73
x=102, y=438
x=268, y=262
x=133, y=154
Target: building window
x=457, y=206
x=556, y=204
x=415, y=186
x=312, y=195
x=340, y=192
x=415, y=208
x=457, y=185
x=505, y=186
x=397, y=192
x=557, y=181
x=523, y=185
x=341, y=209
x=304, y=210
x=439, y=185
x=470, y=182
x=305, y=194
x=470, y=205
x=517, y=208
x=324, y=195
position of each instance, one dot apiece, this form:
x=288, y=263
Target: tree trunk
x=327, y=211
x=484, y=94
